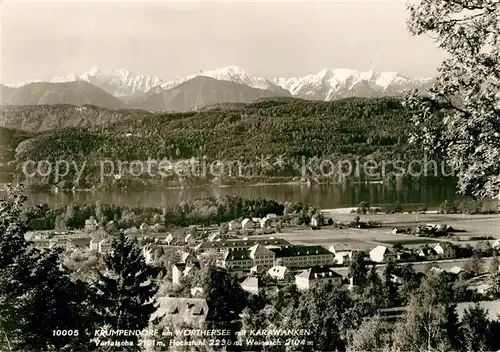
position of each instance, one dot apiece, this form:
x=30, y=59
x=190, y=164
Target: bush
x=363, y=208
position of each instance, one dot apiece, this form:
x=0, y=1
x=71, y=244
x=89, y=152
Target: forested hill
x=37, y=118
x=292, y=128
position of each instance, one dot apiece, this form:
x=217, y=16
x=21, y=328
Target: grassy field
x=474, y=225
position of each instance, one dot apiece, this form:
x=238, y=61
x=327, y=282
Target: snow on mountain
x=238, y=75
x=120, y=82
x=23, y=83
x=232, y=74
x=329, y=84
x=68, y=78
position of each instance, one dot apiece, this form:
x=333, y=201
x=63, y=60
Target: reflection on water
x=324, y=196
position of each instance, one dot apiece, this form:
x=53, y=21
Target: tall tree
x=373, y=294
x=460, y=119
x=358, y=270
x=411, y=282
x=322, y=310
x=225, y=297
x=475, y=325
x=390, y=289
x=430, y=321
x=37, y=297
x=475, y=264
x=127, y=289
x=370, y=336
x=494, y=265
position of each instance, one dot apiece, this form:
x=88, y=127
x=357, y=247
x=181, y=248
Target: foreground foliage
x=460, y=119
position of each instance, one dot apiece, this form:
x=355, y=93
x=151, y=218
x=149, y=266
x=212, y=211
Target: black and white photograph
x=274, y=176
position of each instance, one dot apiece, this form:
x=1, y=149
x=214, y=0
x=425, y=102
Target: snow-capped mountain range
x=328, y=84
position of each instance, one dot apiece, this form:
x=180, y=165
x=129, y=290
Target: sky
x=42, y=40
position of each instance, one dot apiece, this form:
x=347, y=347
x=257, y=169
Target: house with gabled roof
x=187, y=257
x=105, y=245
x=278, y=272
x=265, y=223
x=445, y=250
x=496, y=244
x=428, y=253
x=382, y=254
x=344, y=253
x=261, y=255
x=181, y=270
x=247, y=224
x=258, y=269
x=236, y=260
x=252, y=284
x=313, y=276
x=234, y=225
x=100, y=243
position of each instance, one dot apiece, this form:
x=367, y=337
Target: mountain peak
x=94, y=70
x=327, y=84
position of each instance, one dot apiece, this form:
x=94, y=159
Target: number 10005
x=64, y=332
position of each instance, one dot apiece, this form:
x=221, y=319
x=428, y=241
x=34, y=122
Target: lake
x=324, y=196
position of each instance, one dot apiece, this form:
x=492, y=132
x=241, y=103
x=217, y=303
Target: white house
x=271, y=216
x=105, y=246
x=100, y=244
x=428, y=254
x=147, y=252
x=247, y=224
x=252, y=284
x=265, y=222
x=168, y=239
x=187, y=258
x=496, y=244
x=382, y=254
x=181, y=270
x=445, y=250
x=343, y=253
x=308, y=278
x=278, y=272
x=455, y=270
x=314, y=221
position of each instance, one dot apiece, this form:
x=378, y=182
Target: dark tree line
x=202, y=211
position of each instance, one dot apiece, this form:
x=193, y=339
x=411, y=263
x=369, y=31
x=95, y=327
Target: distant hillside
x=74, y=93
x=36, y=118
x=9, y=140
x=5, y=91
x=200, y=92
x=291, y=127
